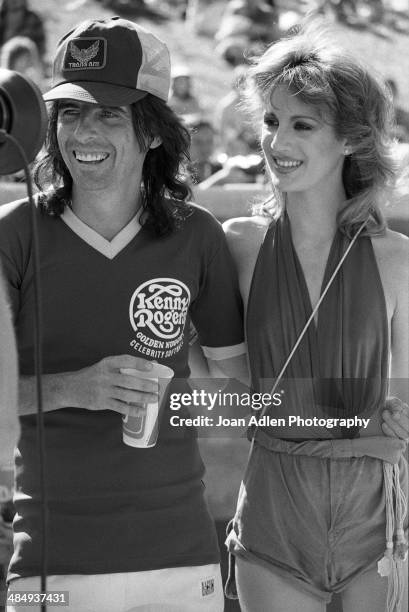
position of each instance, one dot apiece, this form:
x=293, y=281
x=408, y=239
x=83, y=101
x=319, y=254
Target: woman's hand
x=396, y=419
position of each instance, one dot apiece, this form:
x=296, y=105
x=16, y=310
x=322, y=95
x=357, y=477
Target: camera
x=23, y=116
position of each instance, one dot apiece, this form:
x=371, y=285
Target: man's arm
x=100, y=386
x=226, y=376
x=9, y=426
x=232, y=368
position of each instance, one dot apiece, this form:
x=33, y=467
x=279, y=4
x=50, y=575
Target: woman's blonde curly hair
x=353, y=100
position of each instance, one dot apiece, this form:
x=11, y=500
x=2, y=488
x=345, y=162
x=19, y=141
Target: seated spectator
x=234, y=50
x=203, y=162
x=17, y=20
x=401, y=116
x=235, y=126
x=254, y=19
x=20, y=54
x=181, y=98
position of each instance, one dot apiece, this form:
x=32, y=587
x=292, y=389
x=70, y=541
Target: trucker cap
x=111, y=61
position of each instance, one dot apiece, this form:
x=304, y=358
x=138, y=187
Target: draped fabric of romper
x=339, y=371
x=340, y=368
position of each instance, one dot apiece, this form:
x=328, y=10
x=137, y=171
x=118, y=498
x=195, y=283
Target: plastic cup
x=142, y=430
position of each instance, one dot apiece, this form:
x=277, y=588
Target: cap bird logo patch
x=85, y=53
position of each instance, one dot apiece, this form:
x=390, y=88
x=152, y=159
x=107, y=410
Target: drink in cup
x=141, y=429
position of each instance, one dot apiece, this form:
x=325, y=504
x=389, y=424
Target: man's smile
x=90, y=157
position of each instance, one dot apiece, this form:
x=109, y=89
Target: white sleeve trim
x=217, y=353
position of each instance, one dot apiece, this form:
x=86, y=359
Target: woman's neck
x=313, y=217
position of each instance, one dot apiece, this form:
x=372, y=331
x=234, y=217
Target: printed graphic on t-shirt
x=157, y=312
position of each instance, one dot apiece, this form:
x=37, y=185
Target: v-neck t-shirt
x=113, y=508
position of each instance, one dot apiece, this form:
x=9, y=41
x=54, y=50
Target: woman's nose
x=280, y=139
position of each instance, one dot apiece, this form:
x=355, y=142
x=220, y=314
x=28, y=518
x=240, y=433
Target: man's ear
x=156, y=142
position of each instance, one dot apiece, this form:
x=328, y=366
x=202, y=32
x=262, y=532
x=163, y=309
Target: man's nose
x=86, y=124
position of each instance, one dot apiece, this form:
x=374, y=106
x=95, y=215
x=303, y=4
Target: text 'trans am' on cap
x=113, y=62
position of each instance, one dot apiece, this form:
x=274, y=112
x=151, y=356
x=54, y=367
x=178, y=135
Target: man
x=124, y=270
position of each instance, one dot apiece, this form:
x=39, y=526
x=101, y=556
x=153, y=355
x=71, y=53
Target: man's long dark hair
x=160, y=174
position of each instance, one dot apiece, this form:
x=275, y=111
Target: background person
x=9, y=427
x=9, y=431
x=16, y=19
x=21, y=54
x=203, y=160
x=401, y=127
x=182, y=99
x=233, y=121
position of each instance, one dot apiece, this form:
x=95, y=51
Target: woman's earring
x=156, y=142
x=347, y=151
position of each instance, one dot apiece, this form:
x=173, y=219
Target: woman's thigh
x=260, y=590
x=369, y=592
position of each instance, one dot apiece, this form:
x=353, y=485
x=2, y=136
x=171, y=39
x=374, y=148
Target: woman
x=311, y=515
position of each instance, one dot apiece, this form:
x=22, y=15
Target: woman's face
x=301, y=149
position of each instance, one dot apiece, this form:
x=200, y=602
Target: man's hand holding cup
x=142, y=419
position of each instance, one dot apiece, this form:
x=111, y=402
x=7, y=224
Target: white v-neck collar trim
x=109, y=248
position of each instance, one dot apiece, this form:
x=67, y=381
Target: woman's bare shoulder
x=392, y=255
x=245, y=236
x=246, y=232
x=392, y=249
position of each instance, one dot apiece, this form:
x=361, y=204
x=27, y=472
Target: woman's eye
x=302, y=126
x=270, y=121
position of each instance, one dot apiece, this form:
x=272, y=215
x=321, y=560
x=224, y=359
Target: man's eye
x=107, y=114
x=69, y=112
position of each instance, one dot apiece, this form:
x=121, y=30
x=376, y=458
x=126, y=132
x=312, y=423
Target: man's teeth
x=90, y=157
x=287, y=164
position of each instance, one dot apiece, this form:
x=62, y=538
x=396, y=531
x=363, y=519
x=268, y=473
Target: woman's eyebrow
x=273, y=113
x=309, y=117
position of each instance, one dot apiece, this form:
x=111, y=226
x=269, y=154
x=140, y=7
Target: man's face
x=99, y=146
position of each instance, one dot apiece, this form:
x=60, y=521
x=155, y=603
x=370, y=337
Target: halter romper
x=308, y=509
